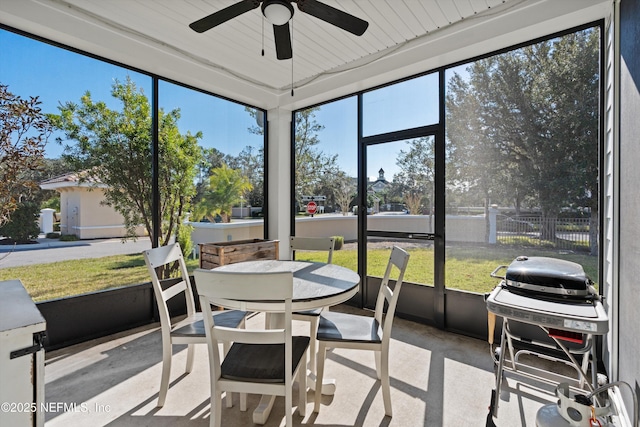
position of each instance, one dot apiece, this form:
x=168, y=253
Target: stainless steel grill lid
x=547, y=276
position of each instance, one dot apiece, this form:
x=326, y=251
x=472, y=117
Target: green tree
x=114, y=147
x=312, y=165
x=476, y=175
x=329, y=184
x=52, y=168
x=225, y=190
x=250, y=161
x=345, y=192
x=417, y=173
x=24, y=131
x=526, y=124
x=315, y=171
x=212, y=158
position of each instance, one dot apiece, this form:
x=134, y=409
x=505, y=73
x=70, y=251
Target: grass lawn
x=467, y=268
x=74, y=277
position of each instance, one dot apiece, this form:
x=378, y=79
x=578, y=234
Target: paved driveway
x=51, y=250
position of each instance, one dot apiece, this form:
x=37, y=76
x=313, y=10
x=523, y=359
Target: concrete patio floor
x=438, y=379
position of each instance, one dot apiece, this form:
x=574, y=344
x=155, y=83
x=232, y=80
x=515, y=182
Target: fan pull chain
x=262, y=35
x=291, y=27
x=292, y=76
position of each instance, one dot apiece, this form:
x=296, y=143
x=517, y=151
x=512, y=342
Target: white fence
x=460, y=228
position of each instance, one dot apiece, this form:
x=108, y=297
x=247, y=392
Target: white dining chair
x=323, y=244
x=263, y=361
x=344, y=330
x=189, y=330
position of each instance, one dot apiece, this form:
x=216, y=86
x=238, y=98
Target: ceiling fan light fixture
x=278, y=12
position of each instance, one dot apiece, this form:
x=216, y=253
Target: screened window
x=97, y=166
x=522, y=158
x=405, y=105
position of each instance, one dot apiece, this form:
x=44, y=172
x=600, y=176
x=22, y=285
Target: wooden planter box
x=222, y=253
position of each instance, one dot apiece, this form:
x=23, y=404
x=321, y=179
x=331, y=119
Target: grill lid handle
x=494, y=272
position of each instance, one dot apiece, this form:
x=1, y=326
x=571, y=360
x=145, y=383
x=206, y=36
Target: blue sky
x=56, y=75
x=405, y=105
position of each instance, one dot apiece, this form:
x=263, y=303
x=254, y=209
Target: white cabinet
x=22, y=330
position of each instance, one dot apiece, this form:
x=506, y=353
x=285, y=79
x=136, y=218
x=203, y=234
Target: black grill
x=545, y=277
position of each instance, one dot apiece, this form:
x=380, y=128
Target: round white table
x=315, y=285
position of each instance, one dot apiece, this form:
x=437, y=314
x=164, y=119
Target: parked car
x=356, y=211
x=507, y=223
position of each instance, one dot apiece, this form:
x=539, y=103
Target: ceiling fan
x=279, y=13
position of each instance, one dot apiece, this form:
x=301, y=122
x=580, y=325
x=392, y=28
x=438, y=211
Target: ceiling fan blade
x=223, y=15
x=333, y=16
x=282, y=36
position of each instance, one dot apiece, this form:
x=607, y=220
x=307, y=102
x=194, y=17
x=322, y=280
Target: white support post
x=493, y=224
x=279, y=173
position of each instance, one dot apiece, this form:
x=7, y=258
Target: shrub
x=23, y=225
x=53, y=235
x=184, y=239
x=68, y=238
x=52, y=203
x=338, y=242
x=24, y=130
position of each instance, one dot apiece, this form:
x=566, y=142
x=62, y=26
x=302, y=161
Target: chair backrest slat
x=220, y=288
x=313, y=244
x=398, y=260
x=249, y=286
x=157, y=259
x=388, y=293
x=248, y=336
x=174, y=290
x=162, y=255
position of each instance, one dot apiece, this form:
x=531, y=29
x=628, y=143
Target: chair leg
x=215, y=417
x=166, y=371
x=302, y=390
x=288, y=407
x=313, y=330
x=190, y=354
x=243, y=396
x=377, y=354
x=226, y=346
x=322, y=352
x=243, y=402
x=386, y=385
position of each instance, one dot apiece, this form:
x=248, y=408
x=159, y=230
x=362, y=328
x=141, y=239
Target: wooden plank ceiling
x=404, y=37
x=318, y=47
